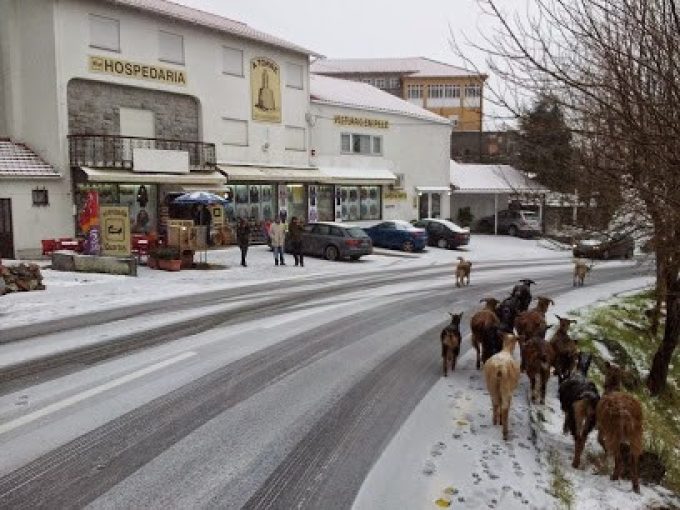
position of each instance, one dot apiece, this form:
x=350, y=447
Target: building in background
x=489, y=147
x=444, y=89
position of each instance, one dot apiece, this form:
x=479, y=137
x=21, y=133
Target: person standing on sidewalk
x=243, y=238
x=277, y=234
x=295, y=231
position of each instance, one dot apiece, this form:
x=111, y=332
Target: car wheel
x=441, y=243
x=512, y=231
x=331, y=253
x=407, y=246
x=354, y=258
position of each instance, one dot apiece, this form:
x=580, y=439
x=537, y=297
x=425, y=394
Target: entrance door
x=6, y=235
x=424, y=206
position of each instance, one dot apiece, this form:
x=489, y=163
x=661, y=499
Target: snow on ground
x=70, y=294
x=448, y=453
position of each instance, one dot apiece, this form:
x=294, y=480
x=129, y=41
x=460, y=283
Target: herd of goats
x=495, y=331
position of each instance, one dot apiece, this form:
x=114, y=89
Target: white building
x=140, y=100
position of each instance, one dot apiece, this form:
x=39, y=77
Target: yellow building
x=444, y=89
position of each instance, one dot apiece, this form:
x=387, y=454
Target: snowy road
x=283, y=399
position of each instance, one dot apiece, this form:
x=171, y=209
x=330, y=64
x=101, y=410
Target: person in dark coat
x=295, y=231
x=243, y=238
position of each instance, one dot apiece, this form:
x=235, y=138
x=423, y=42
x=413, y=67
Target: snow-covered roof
x=324, y=89
x=17, y=160
x=413, y=66
x=476, y=178
x=210, y=20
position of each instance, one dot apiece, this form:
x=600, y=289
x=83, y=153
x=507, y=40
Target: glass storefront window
x=360, y=203
x=255, y=202
x=142, y=201
x=325, y=203
x=370, y=202
x=297, y=201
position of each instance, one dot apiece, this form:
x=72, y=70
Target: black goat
x=492, y=342
x=523, y=294
x=450, y=340
x=507, y=312
x=578, y=399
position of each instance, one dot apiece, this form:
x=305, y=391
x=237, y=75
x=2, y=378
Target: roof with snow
x=17, y=160
x=413, y=66
x=210, y=20
x=475, y=178
x=353, y=94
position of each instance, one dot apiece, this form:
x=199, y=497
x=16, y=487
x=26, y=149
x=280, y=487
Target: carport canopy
x=472, y=178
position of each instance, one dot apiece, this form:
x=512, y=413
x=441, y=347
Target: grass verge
x=560, y=486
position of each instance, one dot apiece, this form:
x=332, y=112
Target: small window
x=232, y=61
x=235, y=132
x=452, y=91
x=104, y=33
x=435, y=91
x=380, y=83
x=414, y=91
x=361, y=144
x=394, y=83
x=377, y=145
x=295, y=138
x=40, y=197
x=345, y=143
x=171, y=48
x=294, y=76
x=473, y=91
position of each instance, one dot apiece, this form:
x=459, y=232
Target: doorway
x=6, y=234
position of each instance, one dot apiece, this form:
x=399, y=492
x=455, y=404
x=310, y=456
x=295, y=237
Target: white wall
x=416, y=148
x=480, y=204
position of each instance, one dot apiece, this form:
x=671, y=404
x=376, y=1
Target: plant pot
x=152, y=263
x=187, y=259
x=170, y=265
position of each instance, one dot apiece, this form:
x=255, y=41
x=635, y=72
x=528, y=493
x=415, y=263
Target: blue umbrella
x=200, y=197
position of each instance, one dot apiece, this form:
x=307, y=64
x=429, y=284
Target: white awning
x=491, y=179
x=433, y=189
x=199, y=179
x=269, y=174
x=344, y=175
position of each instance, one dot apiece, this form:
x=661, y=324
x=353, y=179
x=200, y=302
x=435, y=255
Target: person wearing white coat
x=277, y=234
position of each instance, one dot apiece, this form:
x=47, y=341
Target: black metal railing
x=112, y=151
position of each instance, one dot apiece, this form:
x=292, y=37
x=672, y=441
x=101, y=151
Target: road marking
x=57, y=406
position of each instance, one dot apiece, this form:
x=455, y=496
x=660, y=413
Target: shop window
x=297, y=201
x=235, y=132
x=142, y=201
x=232, y=61
x=171, y=47
x=104, y=33
x=253, y=202
x=325, y=204
x=360, y=203
x=295, y=138
x=414, y=91
x=40, y=197
x=370, y=202
x=294, y=76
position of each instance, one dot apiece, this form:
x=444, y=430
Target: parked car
x=334, y=241
x=602, y=246
x=513, y=222
x=444, y=233
x=400, y=235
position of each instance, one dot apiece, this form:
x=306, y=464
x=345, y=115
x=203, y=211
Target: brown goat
x=581, y=269
x=501, y=372
x=532, y=323
x=537, y=356
x=450, y=340
x=564, y=348
x=481, y=323
x=463, y=272
x=619, y=422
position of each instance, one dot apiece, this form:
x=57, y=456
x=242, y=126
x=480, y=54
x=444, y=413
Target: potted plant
x=169, y=258
x=152, y=259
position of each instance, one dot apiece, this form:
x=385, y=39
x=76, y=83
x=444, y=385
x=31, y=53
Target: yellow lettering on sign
x=115, y=230
x=347, y=120
x=135, y=70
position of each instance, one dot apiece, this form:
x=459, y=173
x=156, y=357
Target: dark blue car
x=400, y=235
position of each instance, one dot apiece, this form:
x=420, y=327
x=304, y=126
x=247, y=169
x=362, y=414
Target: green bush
x=166, y=253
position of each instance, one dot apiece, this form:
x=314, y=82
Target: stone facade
x=94, y=108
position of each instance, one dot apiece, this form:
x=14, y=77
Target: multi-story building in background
x=444, y=89
x=497, y=147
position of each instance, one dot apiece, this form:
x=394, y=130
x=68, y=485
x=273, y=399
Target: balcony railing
x=112, y=151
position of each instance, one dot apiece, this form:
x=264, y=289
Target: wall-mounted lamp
x=449, y=193
x=420, y=193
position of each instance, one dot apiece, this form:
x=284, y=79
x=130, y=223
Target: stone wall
x=94, y=108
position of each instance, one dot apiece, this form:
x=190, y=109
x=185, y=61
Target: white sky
x=367, y=28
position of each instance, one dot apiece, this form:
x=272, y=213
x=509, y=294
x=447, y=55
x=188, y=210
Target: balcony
x=112, y=151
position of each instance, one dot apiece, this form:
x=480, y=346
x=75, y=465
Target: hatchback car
x=444, y=233
x=400, y=235
x=334, y=241
x=601, y=246
x=515, y=223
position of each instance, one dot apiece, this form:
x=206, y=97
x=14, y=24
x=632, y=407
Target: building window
x=40, y=197
x=294, y=76
x=295, y=138
x=171, y=48
x=414, y=91
x=104, y=33
x=452, y=90
x=235, y=132
x=361, y=144
x=380, y=83
x=232, y=61
x=393, y=83
x=360, y=202
x=473, y=90
x=435, y=91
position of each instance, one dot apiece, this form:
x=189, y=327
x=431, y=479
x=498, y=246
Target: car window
x=421, y=224
x=385, y=226
x=435, y=227
x=336, y=231
x=356, y=232
x=322, y=230
x=308, y=228
x=530, y=216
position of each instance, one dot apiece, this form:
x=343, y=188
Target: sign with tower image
x=265, y=86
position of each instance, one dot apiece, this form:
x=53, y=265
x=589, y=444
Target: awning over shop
x=491, y=179
x=345, y=175
x=433, y=189
x=203, y=180
x=270, y=174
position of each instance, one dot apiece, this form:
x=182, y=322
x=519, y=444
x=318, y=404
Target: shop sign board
x=136, y=70
x=395, y=195
x=88, y=220
x=115, y=235
x=348, y=120
x=265, y=87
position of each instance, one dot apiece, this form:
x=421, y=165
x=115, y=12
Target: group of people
x=277, y=236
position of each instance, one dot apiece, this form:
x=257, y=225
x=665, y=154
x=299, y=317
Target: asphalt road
x=284, y=403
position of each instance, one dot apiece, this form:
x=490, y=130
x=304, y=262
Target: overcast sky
x=365, y=28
